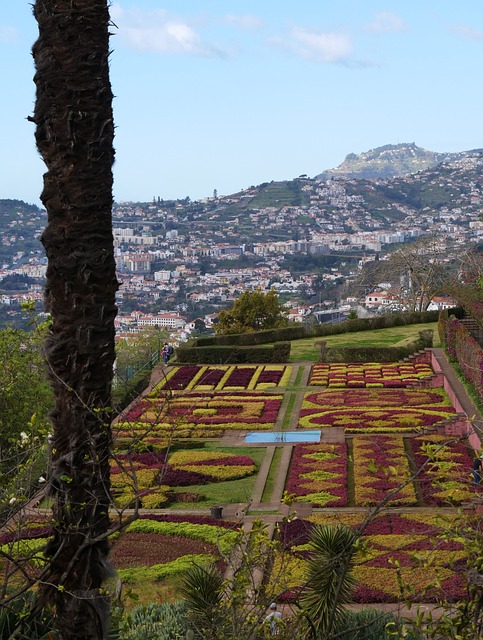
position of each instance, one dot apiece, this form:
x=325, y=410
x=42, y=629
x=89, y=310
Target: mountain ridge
x=390, y=161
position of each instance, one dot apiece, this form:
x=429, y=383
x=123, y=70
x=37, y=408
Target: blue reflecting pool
x=282, y=436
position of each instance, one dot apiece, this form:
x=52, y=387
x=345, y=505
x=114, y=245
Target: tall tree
x=74, y=134
x=252, y=311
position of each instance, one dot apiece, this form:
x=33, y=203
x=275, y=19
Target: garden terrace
x=402, y=557
x=382, y=439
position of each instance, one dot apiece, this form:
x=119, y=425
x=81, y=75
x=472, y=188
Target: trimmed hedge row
x=311, y=331
x=376, y=354
x=224, y=354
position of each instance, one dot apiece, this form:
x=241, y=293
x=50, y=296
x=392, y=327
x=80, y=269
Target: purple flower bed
x=182, y=478
x=240, y=377
x=25, y=534
x=136, y=412
x=146, y=460
x=180, y=379
x=366, y=595
x=233, y=413
x=212, y=376
x=267, y=377
x=295, y=532
x=394, y=524
x=458, y=452
x=302, y=464
x=453, y=587
x=364, y=419
x=245, y=407
x=379, y=398
x=227, y=461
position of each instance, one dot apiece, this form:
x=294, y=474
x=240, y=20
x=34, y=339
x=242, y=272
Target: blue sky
x=228, y=93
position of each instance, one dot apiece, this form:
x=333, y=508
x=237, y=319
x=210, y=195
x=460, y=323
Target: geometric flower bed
x=380, y=466
x=210, y=465
x=154, y=548
x=368, y=374
x=318, y=474
x=224, y=378
x=402, y=547
x=375, y=410
x=377, y=398
x=446, y=479
x=155, y=476
x=201, y=414
x=138, y=475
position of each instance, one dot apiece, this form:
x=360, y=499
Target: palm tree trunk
x=74, y=134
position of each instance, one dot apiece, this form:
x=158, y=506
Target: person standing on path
x=274, y=619
x=166, y=352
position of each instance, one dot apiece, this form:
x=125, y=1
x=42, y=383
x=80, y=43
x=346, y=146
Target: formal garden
x=383, y=439
x=391, y=461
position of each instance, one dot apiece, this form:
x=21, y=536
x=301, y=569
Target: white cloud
x=249, y=22
x=160, y=32
x=387, y=22
x=318, y=46
x=465, y=31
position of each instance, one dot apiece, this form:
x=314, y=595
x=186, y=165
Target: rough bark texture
x=74, y=134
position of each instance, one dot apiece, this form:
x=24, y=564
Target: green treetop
x=252, y=311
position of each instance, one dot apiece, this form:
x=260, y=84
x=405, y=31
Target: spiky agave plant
x=329, y=579
x=203, y=590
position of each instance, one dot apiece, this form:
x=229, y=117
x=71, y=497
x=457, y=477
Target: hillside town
x=180, y=262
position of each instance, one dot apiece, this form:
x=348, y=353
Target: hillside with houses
x=309, y=239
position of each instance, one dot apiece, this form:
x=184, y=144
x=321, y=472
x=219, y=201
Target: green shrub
x=218, y=536
x=296, y=332
x=15, y=621
x=375, y=354
x=226, y=354
x=164, y=621
x=442, y=322
x=159, y=572
x=371, y=624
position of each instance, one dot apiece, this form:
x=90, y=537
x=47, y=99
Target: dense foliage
x=252, y=311
x=25, y=398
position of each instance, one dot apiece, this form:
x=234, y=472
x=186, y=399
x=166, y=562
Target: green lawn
x=272, y=475
x=307, y=349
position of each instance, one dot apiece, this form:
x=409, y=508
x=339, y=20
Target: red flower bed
x=378, y=398
x=183, y=478
x=374, y=456
x=228, y=462
x=146, y=549
x=212, y=376
x=181, y=378
x=390, y=374
x=380, y=420
x=240, y=377
x=270, y=377
x=318, y=473
x=440, y=484
x=205, y=409
x=389, y=538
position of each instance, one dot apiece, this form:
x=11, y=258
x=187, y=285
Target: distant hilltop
x=390, y=161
